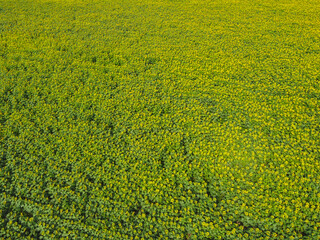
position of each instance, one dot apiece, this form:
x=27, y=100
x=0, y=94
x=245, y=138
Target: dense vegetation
x=159, y=119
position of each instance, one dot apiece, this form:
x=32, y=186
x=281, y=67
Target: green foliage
x=159, y=119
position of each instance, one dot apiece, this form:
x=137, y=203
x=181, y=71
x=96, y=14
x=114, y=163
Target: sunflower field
x=160, y=119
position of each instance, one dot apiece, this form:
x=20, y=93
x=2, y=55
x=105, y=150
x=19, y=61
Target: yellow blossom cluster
x=159, y=119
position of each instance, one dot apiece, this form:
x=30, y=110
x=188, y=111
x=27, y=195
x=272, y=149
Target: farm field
x=160, y=119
